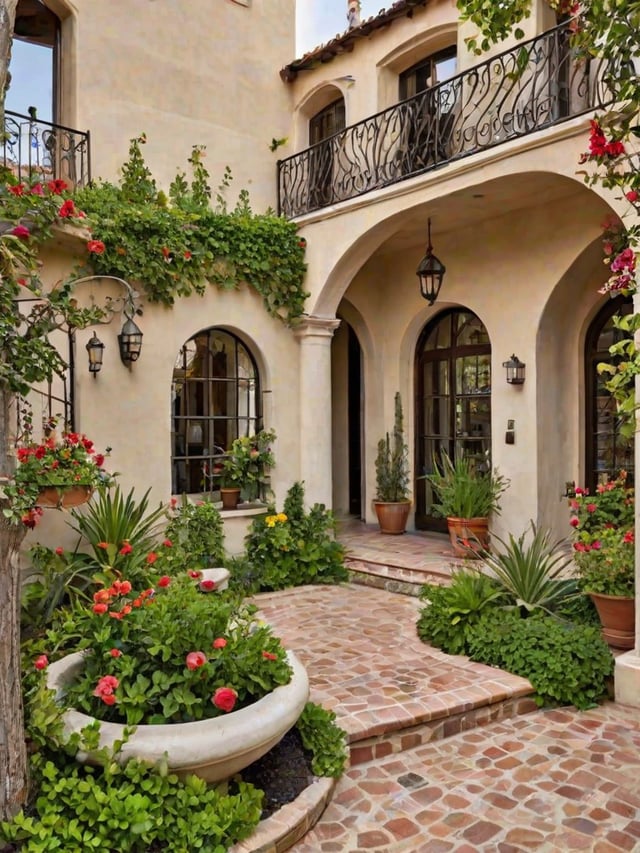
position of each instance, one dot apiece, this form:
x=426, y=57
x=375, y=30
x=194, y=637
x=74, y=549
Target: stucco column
x=627, y=671
x=314, y=336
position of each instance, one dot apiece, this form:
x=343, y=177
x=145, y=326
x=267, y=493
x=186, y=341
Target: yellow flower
x=270, y=520
x=281, y=516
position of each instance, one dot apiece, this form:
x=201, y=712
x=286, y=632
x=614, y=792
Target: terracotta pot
x=212, y=749
x=230, y=498
x=64, y=496
x=618, y=617
x=392, y=517
x=469, y=536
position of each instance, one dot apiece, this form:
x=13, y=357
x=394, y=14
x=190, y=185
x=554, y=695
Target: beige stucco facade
x=516, y=227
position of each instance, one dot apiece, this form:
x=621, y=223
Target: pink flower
x=21, y=232
x=59, y=551
x=574, y=521
x=41, y=662
x=164, y=581
x=591, y=507
x=115, y=653
x=37, y=189
x=596, y=545
x=105, y=687
x=195, y=660
x=219, y=643
x=224, y=698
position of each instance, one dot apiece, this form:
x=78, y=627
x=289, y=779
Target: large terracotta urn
x=618, y=618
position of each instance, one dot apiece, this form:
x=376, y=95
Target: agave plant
x=533, y=573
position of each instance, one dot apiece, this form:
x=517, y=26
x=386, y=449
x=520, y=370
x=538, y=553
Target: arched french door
x=607, y=451
x=453, y=400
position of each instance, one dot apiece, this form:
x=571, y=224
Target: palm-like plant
x=533, y=573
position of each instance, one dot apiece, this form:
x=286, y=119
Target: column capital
x=316, y=327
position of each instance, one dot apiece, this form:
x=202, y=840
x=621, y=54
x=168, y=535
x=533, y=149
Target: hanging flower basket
x=64, y=496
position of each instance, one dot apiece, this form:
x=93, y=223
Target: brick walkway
x=445, y=756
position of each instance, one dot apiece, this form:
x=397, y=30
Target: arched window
x=322, y=129
x=453, y=400
x=606, y=450
x=34, y=61
x=215, y=399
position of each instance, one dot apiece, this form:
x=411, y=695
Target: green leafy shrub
x=566, y=664
x=324, y=739
x=462, y=490
x=128, y=809
x=533, y=575
x=196, y=534
x=452, y=613
x=294, y=547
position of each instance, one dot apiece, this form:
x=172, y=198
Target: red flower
x=167, y=543
x=126, y=549
x=59, y=551
x=632, y=195
x=591, y=507
x=574, y=521
x=105, y=687
x=194, y=574
x=101, y=596
x=67, y=209
x=628, y=538
x=224, y=698
x=207, y=585
x=269, y=656
x=17, y=189
x=21, y=231
x=164, y=581
x=195, y=660
x=41, y=662
x=99, y=459
x=166, y=254
x=151, y=557
x=99, y=608
x=219, y=643
x=96, y=247
x=596, y=545
x=57, y=187
x=103, y=545
x=125, y=587
x=115, y=653
x=187, y=256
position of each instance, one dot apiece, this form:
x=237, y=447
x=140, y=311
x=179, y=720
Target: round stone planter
x=211, y=749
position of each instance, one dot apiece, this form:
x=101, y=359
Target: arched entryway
x=453, y=399
x=607, y=451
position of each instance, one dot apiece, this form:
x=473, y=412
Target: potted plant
x=604, y=553
x=392, y=503
x=466, y=496
x=187, y=666
x=54, y=473
x=245, y=470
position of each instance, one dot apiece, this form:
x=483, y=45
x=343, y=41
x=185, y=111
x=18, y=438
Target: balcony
x=38, y=150
x=536, y=85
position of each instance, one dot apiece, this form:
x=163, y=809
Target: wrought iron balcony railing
x=38, y=150
x=535, y=85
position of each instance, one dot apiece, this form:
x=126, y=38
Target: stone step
x=400, y=579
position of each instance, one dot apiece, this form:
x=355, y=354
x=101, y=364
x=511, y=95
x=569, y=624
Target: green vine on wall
x=173, y=245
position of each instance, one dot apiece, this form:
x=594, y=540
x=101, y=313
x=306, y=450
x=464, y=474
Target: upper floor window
x=328, y=121
x=34, y=57
x=216, y=397
x=428, y=72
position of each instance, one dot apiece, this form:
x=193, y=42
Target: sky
x=318, y=21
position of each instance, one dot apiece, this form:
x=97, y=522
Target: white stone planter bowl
x=211, y=749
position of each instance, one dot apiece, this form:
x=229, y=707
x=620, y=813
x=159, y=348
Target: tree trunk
x=7, y=20
x=13, y=754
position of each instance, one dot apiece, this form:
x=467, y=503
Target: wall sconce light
x=430, y=273
x=515, y=370
x=130, y=342
x=95, y=349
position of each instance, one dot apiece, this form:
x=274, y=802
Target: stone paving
x=444, y=755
